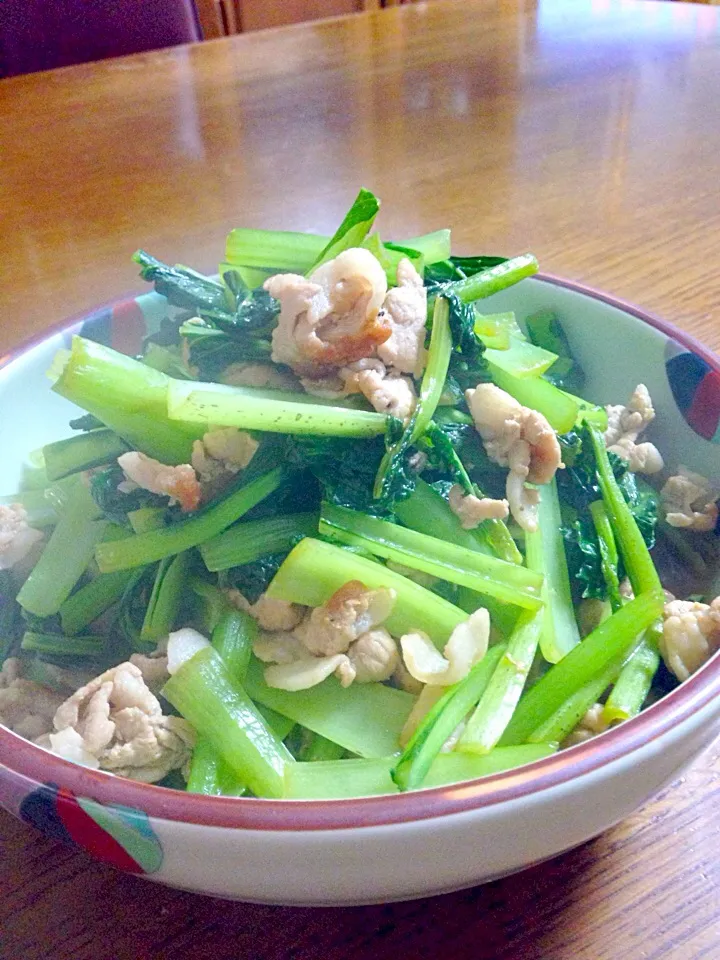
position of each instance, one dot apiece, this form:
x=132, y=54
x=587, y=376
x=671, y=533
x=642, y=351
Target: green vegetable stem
x=545, y=553
x=250, y=409
x=500, y=697
x=65, y=556
x=143, y=548
x=338, y=779
x=365, y=718
x=441, y=720
x=82, y=452
x=314, y=570
x=249, y=540
x=505, y=581
x=204, y=692
x=606, y=648
x=128, y=397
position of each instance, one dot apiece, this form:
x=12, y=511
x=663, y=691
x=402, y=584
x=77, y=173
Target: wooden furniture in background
x=43, y=34
x=226, y=17
x=217, y=18
x=258, y=14
x=580, y=130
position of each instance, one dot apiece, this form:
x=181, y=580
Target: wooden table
x=586, y=132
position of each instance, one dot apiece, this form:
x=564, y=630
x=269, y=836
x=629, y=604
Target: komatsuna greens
x=341, y=528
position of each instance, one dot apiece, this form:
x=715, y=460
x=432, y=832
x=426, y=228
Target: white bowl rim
x=28, y=760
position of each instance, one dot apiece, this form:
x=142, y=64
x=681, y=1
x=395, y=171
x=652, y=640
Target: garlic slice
x=303, y=674
x=467, y=645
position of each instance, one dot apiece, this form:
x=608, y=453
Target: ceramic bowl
x=402, y=846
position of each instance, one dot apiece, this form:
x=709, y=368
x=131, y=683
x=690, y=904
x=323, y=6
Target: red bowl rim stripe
x=30, y=761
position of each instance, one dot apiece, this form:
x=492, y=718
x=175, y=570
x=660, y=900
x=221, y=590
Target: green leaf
x=546, y=331
x=394, y=462
x=356, y=225
x=459, y=268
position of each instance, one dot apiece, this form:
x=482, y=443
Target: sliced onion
x=279, y=648
x=302, y=674
x=182, y=646
x=467, y=646
x=422, y=658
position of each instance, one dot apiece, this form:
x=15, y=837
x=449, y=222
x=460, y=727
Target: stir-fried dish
x=339, y=531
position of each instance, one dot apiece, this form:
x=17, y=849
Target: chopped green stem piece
x=34, y=475
x=633, y=684
x=314, y=570
x=608, y=552
x=389, y=256
x=561, y=724
x=220, y=405
x=59, y=495
x=430, y=390
x=505, y=581
x=82, y=452
x=166, y=600
x=210, y=775
x=356, y=225
x=546, y=331
x=456, y=766
x=545, y=553
x=233, y=639
x=494, y=532
x=498, y=702
x=609, y=643
x=434, y=247
x=494, y=279
x=280, y=250
x=87, y=603
x=339, y=779
x=365, y=718
x=128, y=397
x=638, y=562
x=427, y=511
x=280, y=725
x=559, y=408
x=209, y=605
x=147, y=518
x=319, y=749
x=162, y=439
x=436, y=369
x=441, y=720
x=249, y=540
x=204, y=692
x=143, y=548
x=94, y=371
x=503, y=616
x=496, y=329
x=65, y=557
x=521, y=358
x=252, y=277
x=53, y=644
x=589, y=412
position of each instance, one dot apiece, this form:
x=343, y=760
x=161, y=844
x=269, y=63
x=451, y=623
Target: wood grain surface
x=587, y=132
